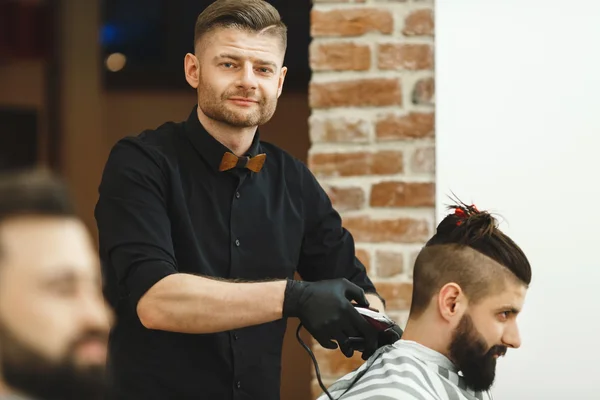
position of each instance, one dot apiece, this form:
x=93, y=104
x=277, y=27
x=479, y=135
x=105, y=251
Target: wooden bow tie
x=230, y=161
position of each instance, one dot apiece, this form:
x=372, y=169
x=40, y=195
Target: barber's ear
x=281, y=80
x=192, y=70
x=452, y=302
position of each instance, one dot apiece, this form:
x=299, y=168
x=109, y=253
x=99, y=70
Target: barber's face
x=239, y=76
x=53, y=319
x=483, y=335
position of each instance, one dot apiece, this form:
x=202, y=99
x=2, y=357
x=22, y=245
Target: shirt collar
x=209, y=148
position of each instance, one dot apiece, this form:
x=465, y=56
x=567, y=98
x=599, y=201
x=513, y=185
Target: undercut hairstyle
x=249, y=15
x=470, y=250
x=33, y=192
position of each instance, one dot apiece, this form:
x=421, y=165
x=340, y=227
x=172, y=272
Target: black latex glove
x=325, y=310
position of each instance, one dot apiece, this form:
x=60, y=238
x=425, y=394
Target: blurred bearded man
x=54, y=322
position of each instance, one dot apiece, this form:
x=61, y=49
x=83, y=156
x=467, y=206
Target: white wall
x=518, y=132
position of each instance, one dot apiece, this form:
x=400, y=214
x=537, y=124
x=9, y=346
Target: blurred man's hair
x=469, y=250
x=33, y=192
x=249, y=15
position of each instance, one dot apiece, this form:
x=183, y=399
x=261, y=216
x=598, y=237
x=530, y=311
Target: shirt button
x=235, y=336
x=237, y=195
x=238, y=384
x=237, y=242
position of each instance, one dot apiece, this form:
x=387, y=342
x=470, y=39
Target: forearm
x=193, y=304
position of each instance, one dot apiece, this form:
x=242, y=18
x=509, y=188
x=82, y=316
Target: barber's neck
x=428, y=331
x=236, y=139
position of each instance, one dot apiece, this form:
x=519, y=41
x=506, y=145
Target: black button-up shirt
x=165, y=208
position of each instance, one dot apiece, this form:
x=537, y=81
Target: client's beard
x=469, y=352
x=30, y=373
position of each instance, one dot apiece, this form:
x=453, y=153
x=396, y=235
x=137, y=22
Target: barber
x=202, y=227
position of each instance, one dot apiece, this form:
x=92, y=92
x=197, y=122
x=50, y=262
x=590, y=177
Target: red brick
x=419, y=23
x=333, y=363
x=413, y=125
x=424, y=92
x=389, y=263
x=346, y=198
x=423, y=160
x=403, y=194
x=338, y=129
x=399, y=230
x=341, y=56
x=351, y=22
x=358, y=163
x=397, y=295
x=365, y=258
x=356, y=93
x=399, y=56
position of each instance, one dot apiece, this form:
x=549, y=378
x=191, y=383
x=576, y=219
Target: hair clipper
x=387, y=330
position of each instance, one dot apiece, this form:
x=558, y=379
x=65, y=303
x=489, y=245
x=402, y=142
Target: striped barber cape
x=405, y=370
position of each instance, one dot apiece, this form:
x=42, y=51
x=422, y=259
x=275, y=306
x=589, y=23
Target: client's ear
x=452, y=302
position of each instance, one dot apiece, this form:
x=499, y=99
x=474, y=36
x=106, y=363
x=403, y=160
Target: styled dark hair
x=250, y=15
x=469, y=249
x=33, y=192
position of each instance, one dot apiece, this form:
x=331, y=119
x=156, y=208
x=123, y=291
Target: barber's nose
x=248, y=78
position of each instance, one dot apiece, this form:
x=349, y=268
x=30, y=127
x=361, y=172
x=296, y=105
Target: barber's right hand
x=326, y=311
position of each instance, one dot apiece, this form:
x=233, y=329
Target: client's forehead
x=508, y=297
x=503, y=286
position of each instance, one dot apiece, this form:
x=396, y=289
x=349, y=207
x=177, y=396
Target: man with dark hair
x=202, y=227
x=470, y=282
x=54, y=322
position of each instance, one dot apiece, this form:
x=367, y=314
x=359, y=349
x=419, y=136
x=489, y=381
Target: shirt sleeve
x=133, y=222
x=328, y=250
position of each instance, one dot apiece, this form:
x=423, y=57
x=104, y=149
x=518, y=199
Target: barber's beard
x=32, y=374
x=216, y=107
x=470, y=353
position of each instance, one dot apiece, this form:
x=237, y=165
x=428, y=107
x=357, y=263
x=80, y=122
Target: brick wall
x=372, y=138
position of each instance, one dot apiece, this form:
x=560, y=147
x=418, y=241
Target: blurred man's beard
x=217, y=108
x=470, y=353
x=30, y=373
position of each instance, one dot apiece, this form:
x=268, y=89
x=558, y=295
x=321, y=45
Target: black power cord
x=310, y=353
x=391, y=334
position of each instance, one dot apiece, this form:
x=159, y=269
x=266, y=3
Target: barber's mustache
x=247, y=94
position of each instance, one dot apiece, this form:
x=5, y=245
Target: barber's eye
x=227, y=65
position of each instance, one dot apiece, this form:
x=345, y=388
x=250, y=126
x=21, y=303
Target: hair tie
x=464, y=213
